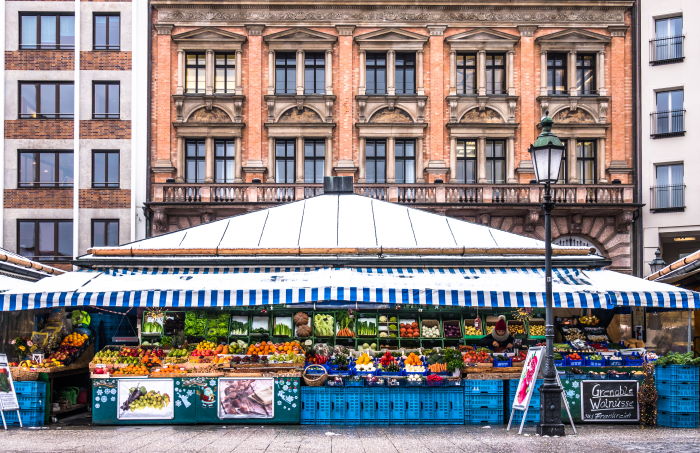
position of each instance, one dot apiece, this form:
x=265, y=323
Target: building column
x=420, y=89
x=600, y=74
x=271, y=72
x=419, y=160
x=300, y=72
x=209, y=160
x=391, y=72
x=510, y=72
x=299, y=159
x=571, y=71
x=271, y=164
x=363, y=73
x=543, y=74
x=481, y=160
x=571, y=161
x=209, y=72
x=180, y=72
x=435, y=137
x=390, y=160
x=453, y=159
x=180, y=159
x=510, y=160
x=238, y=160
x=362, y=175
x=329, y=72
x=239, y=72
x=254, y=97
x=600, y=160
x=481, y=73
x=453, y=73
x=328, y=157
x=345, y=101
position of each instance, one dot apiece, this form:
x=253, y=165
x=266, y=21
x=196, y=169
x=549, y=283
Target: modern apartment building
x=669, y=144
x=432, y=105
x=74, y=112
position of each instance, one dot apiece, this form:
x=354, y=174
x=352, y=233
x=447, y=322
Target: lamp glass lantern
x=657, y=263
x=547, y=153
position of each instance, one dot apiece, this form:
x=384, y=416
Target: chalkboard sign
x=609, y=401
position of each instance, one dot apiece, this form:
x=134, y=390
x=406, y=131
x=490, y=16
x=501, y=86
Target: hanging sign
x=609, y=401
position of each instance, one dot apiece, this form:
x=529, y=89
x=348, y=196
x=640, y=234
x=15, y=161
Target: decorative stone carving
x=160, y=221
x=390, y=115
x=531, y=219
x=207, y=217
x=209, y=114
x=303, y=115
x=484, y=115
x=392, y=14
x=575, y=222
x=577, y=116
x=623, y=221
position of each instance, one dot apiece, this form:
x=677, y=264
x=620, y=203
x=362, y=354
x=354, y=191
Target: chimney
x=337, y=184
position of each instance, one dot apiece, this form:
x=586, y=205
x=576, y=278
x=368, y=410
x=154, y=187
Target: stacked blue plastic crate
x=678, y=388
x=32, y=399
x=533, y=409
x=483, y=402
x=381, y=405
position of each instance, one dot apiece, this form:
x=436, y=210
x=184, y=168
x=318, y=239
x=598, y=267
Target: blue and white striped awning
x=464, y=287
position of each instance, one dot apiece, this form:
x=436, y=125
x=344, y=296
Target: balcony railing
x=416, y=194
x=666, y=50
x=668, y=198
x=668, y=123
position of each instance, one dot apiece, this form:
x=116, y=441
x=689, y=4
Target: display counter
x=193, y=399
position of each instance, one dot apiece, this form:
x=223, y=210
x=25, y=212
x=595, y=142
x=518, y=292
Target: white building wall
x=660, y=228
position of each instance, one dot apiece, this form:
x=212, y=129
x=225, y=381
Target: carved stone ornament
x=389, y=14
x=209, y=115
x=387, y=115
x=481, y=116
x=531, y=219
x=578, y=116
x=623, y=221
x=303, y=115
x=160, y=221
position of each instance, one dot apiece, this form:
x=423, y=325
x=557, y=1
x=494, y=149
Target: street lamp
x=657, y=263
x=547, y=153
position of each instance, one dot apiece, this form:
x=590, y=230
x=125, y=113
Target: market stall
x=280, y=315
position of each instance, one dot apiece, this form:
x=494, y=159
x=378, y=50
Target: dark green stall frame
x=194, y=400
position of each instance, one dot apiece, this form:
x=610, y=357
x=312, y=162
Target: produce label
x=528, y=378
x=246, y=398
x=609, y=401
x=8, y=397
x=145, y=399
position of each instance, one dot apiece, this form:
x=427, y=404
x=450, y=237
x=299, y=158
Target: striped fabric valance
x=464, y=287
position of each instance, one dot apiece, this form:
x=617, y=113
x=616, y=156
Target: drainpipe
x=638, y=225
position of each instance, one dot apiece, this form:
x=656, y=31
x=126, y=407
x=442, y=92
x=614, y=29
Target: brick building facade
x=433, y=106
x=73, y=168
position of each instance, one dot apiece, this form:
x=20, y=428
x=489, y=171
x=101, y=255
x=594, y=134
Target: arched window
x=576, y=241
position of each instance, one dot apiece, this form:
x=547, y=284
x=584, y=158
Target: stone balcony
x=416, y=194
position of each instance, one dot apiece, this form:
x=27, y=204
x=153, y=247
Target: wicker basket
x=315, y=380
x=24, y=374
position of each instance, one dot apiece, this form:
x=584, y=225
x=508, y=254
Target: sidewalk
x=306, y=439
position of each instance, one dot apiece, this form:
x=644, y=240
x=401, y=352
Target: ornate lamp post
x=547, y=153
x=657, y=263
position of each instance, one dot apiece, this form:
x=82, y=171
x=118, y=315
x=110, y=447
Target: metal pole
x=550, y=400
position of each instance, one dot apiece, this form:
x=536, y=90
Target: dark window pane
x=405, y=71
x=113, y=169
x=114, y=27
x=65, y=238
x=25, y=244
x=99, y=169
x=65, y=169
x=375, y=69
x=47, y=94
x=100, y=99
x=66, y=100
x=29, y=28
x=67, y=32
x=47, y=169
x=113, y=105
x=28, y=100
x=48, y=32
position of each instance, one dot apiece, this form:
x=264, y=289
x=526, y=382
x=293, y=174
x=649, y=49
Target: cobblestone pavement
x=336, y=439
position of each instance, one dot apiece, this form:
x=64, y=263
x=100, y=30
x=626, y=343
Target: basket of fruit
x=516, y=328
x=536, y=328
x=315, y=380
x=594, y=360
x=574, y=359
x=472, y=329
x=451, y=329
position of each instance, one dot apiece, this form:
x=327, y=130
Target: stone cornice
x=605, y=14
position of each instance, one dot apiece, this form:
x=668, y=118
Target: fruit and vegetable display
x=75, y=339
x=409, y=330
x=365, y=363
x=366, y=328
x=451, y=329
x=471, y=330
x=344, y=323
x=239, y=328
x=133, y=370
x=516, y=328
x=573, y=333
x=413, y=364
x=282, y=330
x=430, y=329
x=323, y=325
x=537, y=330
x=589, y=320
x=677, y=358
x=480, y=355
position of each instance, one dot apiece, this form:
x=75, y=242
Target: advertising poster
x=528, y=378
x=246, y=398
x=8, y=397
x=145, y=399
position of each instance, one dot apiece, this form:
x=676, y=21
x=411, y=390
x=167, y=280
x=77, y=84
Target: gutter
x=638, y=225
x=690, y=259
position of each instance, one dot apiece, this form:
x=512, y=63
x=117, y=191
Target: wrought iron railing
x=668, y=123
x=666, y=50
x=667, y=197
